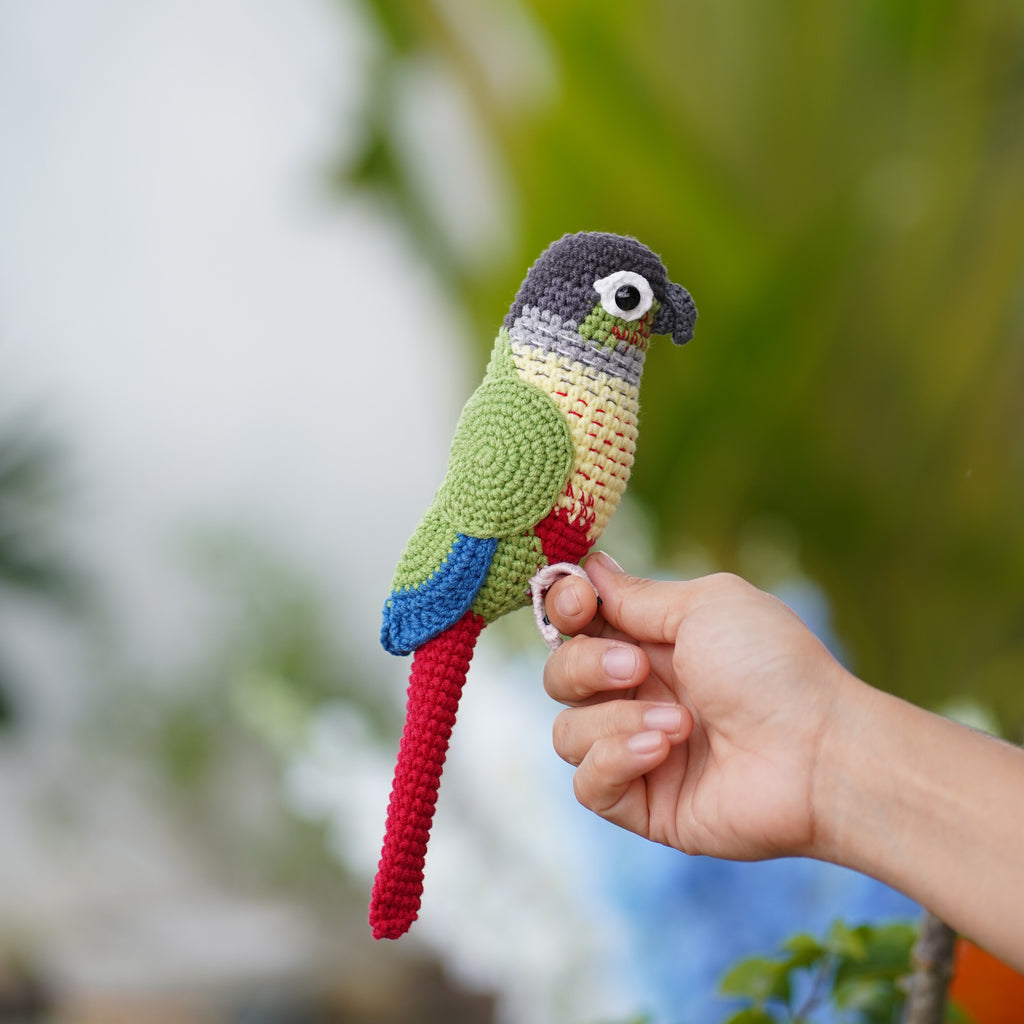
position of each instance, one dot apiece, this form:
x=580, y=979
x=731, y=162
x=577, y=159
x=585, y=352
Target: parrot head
x=615, y=279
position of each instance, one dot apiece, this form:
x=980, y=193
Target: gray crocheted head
x=565, y=278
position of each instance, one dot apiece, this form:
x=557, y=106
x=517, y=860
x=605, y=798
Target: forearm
x=930, y=807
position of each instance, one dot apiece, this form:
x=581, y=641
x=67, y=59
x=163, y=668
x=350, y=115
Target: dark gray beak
x=677, y=315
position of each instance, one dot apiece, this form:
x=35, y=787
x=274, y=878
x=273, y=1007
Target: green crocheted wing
x=510, y=460
x=510, y=457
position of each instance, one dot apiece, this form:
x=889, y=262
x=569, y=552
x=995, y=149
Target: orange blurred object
x=985, y=987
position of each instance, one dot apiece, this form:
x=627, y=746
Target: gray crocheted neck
x=549, y=332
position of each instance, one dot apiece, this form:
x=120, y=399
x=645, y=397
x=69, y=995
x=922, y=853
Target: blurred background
x=253, y=256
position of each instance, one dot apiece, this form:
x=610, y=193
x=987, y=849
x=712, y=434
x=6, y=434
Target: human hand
x=698, y=710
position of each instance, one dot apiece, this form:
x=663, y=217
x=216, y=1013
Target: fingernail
x=609, y=561
x=665, y=718
x=567, y=602
x=619, y=662
x=645, y=742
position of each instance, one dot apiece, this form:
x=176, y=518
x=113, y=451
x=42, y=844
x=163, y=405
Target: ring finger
x=576, y=730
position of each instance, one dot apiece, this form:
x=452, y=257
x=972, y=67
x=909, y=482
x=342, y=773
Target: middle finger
x=576, y=730
x=587, y=667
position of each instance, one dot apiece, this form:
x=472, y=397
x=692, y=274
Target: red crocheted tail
x=438, y=674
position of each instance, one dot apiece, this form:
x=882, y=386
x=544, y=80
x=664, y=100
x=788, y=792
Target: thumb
x=647, y=610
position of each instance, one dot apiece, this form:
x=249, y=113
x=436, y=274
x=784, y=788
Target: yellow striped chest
x=601, y=410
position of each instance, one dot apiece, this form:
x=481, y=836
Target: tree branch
x=933, y=970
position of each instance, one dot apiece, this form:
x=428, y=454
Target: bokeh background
x=252, y=259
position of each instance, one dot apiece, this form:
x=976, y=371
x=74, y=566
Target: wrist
x=927, y=806
x=889, y=797
x=840, y=780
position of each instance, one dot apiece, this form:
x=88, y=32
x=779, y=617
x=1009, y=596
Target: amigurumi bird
x=538, y=464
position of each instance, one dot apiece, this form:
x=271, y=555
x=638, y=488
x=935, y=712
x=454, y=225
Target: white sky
x=218, y=337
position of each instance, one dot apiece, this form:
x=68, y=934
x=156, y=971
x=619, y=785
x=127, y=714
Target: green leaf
x=753, y=1015
x=865, y=994
x=892, y=941
x=847, y=942
x=884, y=952
x=757, y=978
x=804, y=950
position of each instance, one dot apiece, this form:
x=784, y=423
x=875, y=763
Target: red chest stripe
x=562, y=539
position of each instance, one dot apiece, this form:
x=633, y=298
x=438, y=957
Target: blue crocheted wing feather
x=413, y=614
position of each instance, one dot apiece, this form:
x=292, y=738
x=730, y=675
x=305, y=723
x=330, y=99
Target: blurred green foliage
x=211, y=738
x=852, y=975
x=860, y=974
x=840, y=187
x=32, y=493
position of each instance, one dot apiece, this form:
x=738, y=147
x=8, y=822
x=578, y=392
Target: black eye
x=627, y=297
x=625, y=294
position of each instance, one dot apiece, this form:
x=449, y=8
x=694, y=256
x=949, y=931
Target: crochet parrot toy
x=538, y=463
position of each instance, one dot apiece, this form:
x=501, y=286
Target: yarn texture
x=435, y=685
x=510, y=458
x=539, y=462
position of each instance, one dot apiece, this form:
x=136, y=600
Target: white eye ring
x=607, y=287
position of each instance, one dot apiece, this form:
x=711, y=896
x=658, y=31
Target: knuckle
x=594, y=781
x=728, y=582
x=561, y=730
x=567, y=672
x=582, y=787
x=560, y=672
x=572, y=649
x=601, y=763
x=551, y=674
